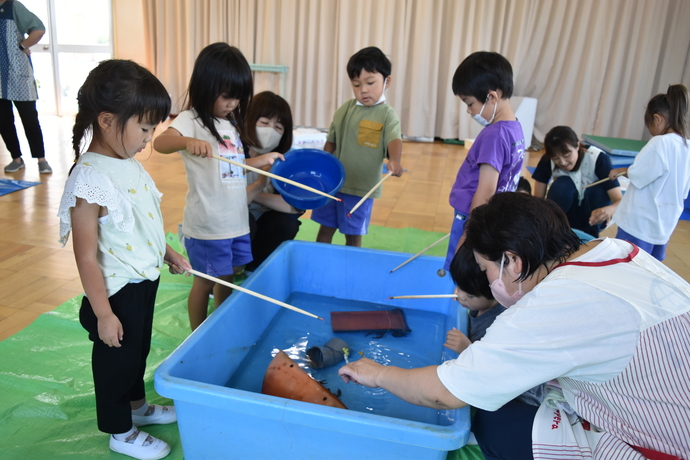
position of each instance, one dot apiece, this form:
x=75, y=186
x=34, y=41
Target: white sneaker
x=144, y=447
x=161, y=415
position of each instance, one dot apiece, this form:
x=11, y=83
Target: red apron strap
x=631, y=256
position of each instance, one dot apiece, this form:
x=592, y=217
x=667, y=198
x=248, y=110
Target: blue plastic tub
x=219, y=420
x=315, y=168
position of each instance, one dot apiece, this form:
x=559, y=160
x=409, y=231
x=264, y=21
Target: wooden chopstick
x=274, y=176
x=420, y=253
x=255, y=294
x=364, y=198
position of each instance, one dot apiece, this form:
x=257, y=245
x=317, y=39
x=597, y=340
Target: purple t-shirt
x=500, y=145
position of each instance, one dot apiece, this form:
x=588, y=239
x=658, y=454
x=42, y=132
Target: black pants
x=32, y=128
x=564, y=193
x=118, y=373
x=505, y=434
x=268, y=231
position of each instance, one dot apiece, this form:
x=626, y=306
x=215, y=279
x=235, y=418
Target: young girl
x=484, y=81
x=215, y=225
x=573, y=168
x=271, y=219
x=112, y=207
x=659, y=177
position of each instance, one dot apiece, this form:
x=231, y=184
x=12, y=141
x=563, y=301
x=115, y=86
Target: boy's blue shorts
x=334, y=214
x=456, y=231
x=218, y=257
x=658, y=251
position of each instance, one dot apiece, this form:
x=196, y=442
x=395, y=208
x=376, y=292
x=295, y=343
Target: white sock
x=142, y=410
x=126, y=434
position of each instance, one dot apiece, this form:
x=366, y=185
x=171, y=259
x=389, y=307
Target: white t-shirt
x=562, y=328
x=659, y=183
x=131, y=240
x=216, y=202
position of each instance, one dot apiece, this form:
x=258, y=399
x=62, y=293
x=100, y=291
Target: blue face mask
x=478, y=117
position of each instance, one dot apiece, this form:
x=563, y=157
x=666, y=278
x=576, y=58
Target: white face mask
x=268, y=137
x=478, y=117
x=381, y=99
x=498, y=289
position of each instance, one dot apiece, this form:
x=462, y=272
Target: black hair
x=481, y=72
x=269, y=105
x=673, y=106
x=370, y=59
x=221, y=69
x=559, y=141
x=467, y=275
x=123, y=88
x=524, y=186
x=535, y=229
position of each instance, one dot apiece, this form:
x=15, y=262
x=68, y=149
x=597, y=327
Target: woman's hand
x=267, y=159
x=602, y=215
x=110, y=330
x=456, y=341
x=362, y=372
x=199, y=148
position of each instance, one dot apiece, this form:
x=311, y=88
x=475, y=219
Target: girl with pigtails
x=112, y=209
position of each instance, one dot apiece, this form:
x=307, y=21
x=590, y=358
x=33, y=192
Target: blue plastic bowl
x=315, y=168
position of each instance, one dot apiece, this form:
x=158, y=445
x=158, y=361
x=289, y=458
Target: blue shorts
x=456, y=231
x=658, y=251
x=334, y=214
x=218, y=257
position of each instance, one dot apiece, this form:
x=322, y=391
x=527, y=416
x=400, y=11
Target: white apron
x=562, y=433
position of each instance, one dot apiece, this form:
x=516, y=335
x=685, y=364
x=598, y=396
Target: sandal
x=161, y=415
x=138, y=449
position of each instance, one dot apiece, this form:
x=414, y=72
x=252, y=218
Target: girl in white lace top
x=112, y=208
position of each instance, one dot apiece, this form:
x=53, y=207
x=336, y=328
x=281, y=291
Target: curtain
x=592, y=65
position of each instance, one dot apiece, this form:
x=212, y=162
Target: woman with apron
x=604, y=323
x=17, y=84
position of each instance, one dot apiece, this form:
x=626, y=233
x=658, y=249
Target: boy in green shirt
x=364, y=131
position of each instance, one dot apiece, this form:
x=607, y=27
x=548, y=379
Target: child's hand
x=110, y=330
x=456, y=341
x=176, y=262
x=601, y=215
x=199, y=148
x=395, y=167
x=615, y=173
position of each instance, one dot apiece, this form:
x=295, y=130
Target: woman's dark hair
x=467, y=275
x=535, y=229
x=269, y=105
x=559, y=141
x=370, y=59
x=673, y=106
x=123, y=88
x=221, y=69
x=481, y=72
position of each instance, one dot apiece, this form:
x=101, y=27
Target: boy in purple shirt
x=484, y=81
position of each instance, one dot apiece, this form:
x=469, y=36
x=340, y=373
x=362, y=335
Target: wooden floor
x=37, y=275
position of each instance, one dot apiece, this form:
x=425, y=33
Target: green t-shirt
x=361, y=135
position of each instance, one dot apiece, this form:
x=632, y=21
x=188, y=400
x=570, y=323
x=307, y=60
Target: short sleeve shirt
x=361, y=135
x=500, y=145
x=544, y=171
x=216, y=202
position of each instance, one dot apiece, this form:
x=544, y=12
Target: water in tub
x=295, y=333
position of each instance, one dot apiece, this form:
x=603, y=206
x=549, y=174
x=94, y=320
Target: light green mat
x=47, y=407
